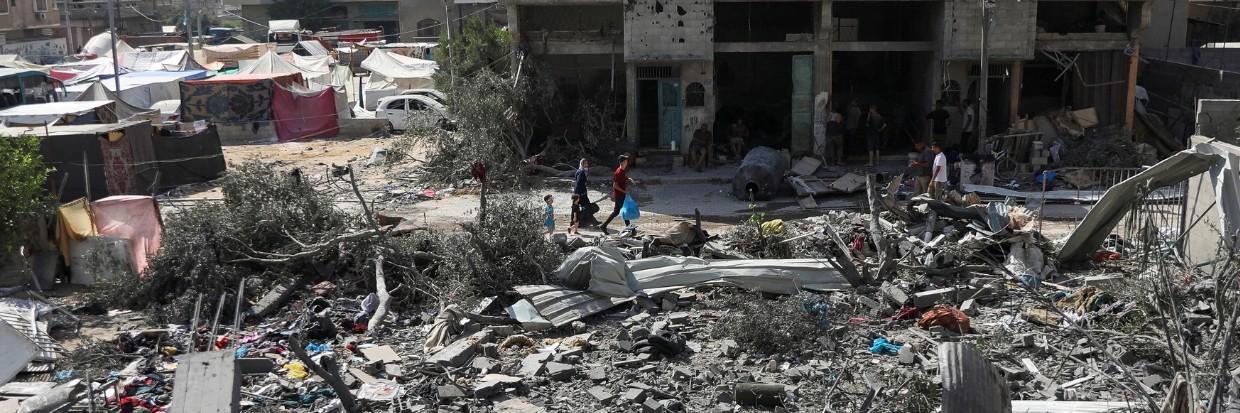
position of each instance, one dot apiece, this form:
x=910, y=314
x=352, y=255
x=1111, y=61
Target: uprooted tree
x=21, y=182
x=511, y=121
x=274, y=227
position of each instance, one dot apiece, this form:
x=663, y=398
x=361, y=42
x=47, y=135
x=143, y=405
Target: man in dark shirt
x=697, y=147
x=619, y=190
x=937, y=120
x=919, y=168
x=874, y=126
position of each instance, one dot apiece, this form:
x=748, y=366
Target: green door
x=669, y=112
x=802, y=127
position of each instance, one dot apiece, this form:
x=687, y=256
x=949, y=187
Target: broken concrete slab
x=459, y=352
x=450, y=392
x=759, y=394
x=208, y=381
x=534, y=364
x=275, y=298
x=560, y=371
x=381, y=353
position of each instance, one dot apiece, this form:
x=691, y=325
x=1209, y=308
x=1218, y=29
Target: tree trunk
x=381, y=291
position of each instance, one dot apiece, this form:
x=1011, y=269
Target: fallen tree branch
x=384, y=296
x=312, y=250
x=944, y=271
x=528, y=168
x=329, y=371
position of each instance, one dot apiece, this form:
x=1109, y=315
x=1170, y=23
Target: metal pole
x=983, y=79
x=193, y=326
x=447, y=25
x=68, y=30
x=86, y=175
x=237, y=311
x=215, y=324
x=116, y=65
x=189, y=34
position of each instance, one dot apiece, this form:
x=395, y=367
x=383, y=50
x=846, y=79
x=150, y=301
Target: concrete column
x=514, y=28
x=630, y=103
x=1017, y=77
x=822, y=50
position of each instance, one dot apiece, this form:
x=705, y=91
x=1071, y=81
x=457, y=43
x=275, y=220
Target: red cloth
x=117, y=166
x=305, y=115
x=133, y=218
x=621, y=181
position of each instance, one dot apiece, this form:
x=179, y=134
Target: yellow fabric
x=773, y=227
x=75, y=224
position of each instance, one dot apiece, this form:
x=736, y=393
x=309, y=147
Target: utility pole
x=68, y=30
x=116, y=65
x=189, y=34
x=447, y=25
x=983, y=79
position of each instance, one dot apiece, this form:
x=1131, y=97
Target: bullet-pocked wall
x=668, y=30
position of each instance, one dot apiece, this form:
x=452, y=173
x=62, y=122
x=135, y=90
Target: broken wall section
x=1213, y=198
x=662, y=30
x=1218, y=119
x=1012, y=35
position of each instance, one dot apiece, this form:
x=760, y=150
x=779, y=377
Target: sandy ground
x=662, y=201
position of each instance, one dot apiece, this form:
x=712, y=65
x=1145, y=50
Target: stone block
x=450, y=392
x=560, y=371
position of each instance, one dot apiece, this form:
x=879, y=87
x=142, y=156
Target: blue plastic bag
x=629, y=211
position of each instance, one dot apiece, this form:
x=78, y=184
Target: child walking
x=574, y=218
x=549, y=214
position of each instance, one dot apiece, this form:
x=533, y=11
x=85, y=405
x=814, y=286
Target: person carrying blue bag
x=619, y=193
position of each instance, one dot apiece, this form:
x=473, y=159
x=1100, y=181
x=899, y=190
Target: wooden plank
x=207, y=383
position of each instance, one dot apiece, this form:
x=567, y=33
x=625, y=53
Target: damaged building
x=676, y=64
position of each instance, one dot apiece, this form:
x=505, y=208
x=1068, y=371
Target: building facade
x=403, y=21
x=680, y=63
x=32, y=29
x=87, y=18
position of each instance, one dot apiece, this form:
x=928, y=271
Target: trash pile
x=917, y=306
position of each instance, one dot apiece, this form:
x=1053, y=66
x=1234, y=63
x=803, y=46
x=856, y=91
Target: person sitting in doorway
x=697, y=147
x=738, y=135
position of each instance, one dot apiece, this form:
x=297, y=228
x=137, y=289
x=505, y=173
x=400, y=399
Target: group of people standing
x=581, y=212
x=838, y=130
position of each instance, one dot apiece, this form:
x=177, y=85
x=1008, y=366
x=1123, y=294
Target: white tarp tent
x=271, y=62
x=87, y=70
x=175, y=60
x=47, y=113
x=283, y=26
x=96, y=92
x=101, y=45
x=17, y=62
x=334, y=75
x=143, y=89
x=390, y=73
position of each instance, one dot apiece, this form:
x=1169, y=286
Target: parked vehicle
x=430, y=93
x=402, y=110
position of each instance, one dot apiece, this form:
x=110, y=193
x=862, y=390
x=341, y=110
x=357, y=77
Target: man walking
x=940, y=172
x=619, y=190
x=937, y=121
x=851, y=122
x=919, y=168
x=835, y=137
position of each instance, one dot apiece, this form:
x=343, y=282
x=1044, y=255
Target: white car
x=402, y=110
x=430, y=93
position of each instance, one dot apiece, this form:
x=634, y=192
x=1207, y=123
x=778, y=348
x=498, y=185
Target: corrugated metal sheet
x=970, y=383
x=561, y=305
x=23, y=315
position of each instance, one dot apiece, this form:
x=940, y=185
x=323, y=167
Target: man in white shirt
x=966, y=135
x=940, y=172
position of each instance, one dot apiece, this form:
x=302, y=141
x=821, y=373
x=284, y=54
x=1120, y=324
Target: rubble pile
x=915, y=306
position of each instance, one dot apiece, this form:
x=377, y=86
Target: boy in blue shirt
x=549, y=214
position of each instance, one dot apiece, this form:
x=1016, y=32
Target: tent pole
x=86, y=174
x=116, y=69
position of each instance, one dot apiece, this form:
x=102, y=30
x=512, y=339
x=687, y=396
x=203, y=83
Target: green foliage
x=750, y=239
x=505, y=250
x=264, y=210
x=475, y=47
x=21, y=182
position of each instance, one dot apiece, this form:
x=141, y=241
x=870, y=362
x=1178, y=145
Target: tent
x=172, y=61
x=18, y=62
x=338, y=76
x=84, y=71
x=43, y=114
x=283, y=26
x=271, y=62
x=228, y=55
x=302, y=113
x=390, y=72
x=124, y=111
x=311, y=48
x=101, y=45
x=143, y=89
x=233, y=98
x=123, y=158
